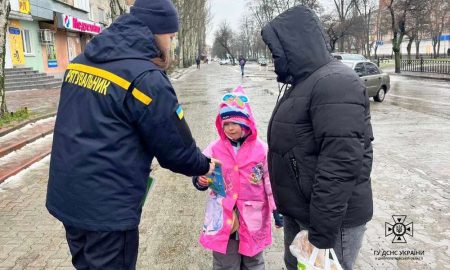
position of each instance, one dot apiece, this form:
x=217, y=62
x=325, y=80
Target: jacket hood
x=236, y=100
x=126, y=38
x=297, y=42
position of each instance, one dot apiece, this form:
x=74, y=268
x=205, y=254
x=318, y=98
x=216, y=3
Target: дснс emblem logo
x=398, y=229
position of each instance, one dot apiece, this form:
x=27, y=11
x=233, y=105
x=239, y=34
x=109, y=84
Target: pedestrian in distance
x=117, y=111
x=242, y=63
x=197, y=60
x=320, y=140
x=237, y=226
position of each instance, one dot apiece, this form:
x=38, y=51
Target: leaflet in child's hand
x=217, y=183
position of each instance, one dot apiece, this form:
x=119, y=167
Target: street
x=410, y=177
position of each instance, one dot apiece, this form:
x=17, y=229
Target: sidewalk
x=423, y=75
x=16, y=151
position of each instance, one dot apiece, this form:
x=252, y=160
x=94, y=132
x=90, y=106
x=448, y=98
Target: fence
x=426, y=65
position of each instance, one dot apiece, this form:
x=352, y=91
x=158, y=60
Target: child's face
x=232, y=130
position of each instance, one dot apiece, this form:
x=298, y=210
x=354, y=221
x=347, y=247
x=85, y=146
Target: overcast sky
x=229, y=10
x=232, y=11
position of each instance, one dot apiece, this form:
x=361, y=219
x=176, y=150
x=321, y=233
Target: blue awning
x=445, y=37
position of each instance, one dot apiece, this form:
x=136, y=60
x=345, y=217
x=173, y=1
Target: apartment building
x=47, y=34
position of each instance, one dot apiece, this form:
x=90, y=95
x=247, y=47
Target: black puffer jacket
x=320, y=151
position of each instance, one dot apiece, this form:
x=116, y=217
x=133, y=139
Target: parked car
x=348, y=56
x=377, y=82
x=224, y=62
x=262, y=61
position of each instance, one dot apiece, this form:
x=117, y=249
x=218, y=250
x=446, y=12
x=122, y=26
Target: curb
x=420, y=77
x=29, y=121
x=24, y=166
x=14, y=147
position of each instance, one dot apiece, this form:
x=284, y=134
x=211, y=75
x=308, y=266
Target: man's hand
x=212, y=165
x=203, y=181
x=303, y=249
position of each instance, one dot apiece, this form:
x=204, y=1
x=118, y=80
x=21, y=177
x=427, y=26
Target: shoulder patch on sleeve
x=180, y=112
x=182, y=127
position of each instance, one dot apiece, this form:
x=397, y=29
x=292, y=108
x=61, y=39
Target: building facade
x=19, y=37
x=47, y=34
x=382, y=35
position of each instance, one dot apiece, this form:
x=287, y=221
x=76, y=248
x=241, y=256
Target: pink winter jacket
x=248, y=189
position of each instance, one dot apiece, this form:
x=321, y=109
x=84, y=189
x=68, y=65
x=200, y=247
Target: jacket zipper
x=294, y=167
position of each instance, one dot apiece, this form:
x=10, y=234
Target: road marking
x=420, y=99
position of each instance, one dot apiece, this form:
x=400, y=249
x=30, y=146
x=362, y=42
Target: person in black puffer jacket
x=319, y=136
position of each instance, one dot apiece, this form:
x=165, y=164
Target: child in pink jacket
x=248, y=203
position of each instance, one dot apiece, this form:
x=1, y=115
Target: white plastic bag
x=310, y=257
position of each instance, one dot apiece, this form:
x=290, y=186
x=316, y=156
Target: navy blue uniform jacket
x=117, y=112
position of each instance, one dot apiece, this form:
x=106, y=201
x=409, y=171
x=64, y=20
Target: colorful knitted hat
x=235, y=108
x=234, y=115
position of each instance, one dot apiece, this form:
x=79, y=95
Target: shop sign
x=16, y=46
x=24, y=6
x=75, y=24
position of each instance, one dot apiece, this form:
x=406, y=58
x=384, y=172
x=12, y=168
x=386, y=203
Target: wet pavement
x=431, y=97
x=37, y=101
x=410, y=177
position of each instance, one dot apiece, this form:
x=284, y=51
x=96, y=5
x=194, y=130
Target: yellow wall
x=16, y=44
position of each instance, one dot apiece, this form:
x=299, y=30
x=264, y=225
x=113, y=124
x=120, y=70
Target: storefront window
x=27, y=47
x=51, y=56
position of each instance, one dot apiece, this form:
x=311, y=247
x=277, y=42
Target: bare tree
x=245, y=37
x=218, y=50
x=422, y=30
x=193, y=16
x=399, y=11
x=356, y=35
x=330, y=26
x=224, y=37
x=282, y=5
x=344, y=10
x=419, y=22
x=265, y=10
x=4, y=12
x=439, y=12
x=365, y=10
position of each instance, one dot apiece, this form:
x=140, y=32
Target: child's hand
x=278, y=219
x=203, y=181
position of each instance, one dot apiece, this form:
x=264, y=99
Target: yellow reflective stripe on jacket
x=141, y=96
x=112, y=78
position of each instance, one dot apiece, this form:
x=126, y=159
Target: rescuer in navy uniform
x=117, y=112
